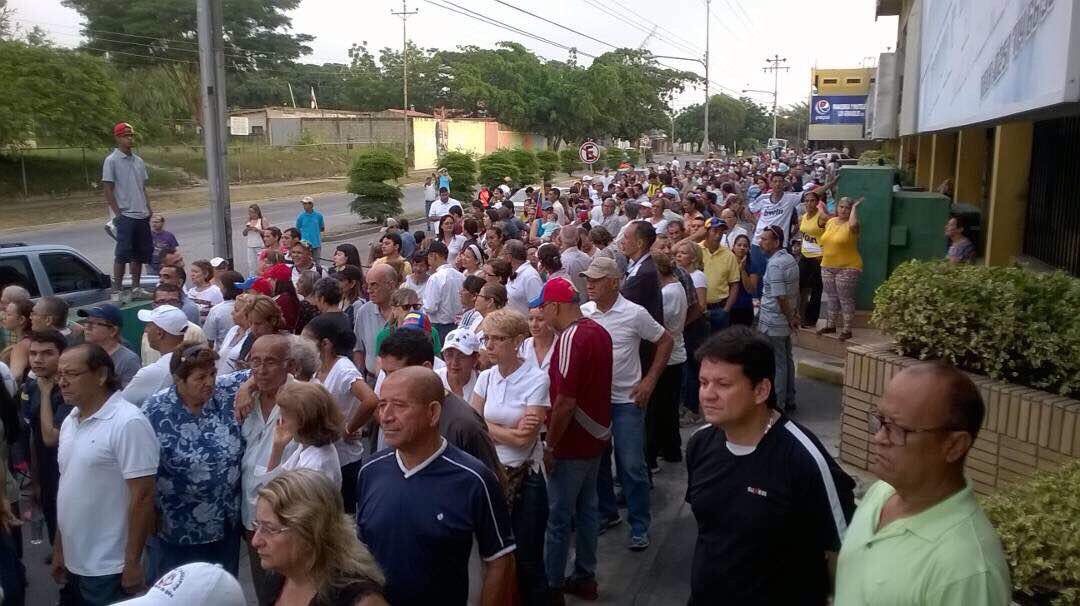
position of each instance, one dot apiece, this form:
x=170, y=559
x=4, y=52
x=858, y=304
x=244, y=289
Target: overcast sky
x=743, y=33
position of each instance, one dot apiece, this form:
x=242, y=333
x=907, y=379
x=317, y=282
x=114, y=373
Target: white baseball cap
x=586, y=178
x=198, y=583
x=167, y=318
x=217, y=262
x=645, y=203
x=463, y=340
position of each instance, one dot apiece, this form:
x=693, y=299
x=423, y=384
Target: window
x=68, y=273
x=830, y=81
x=854, y=81
x=16, y=270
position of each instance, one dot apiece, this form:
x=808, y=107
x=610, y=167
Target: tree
x=569, y=160
x=527, y=165
x=497, y=166
x=368, y=176
x=548, y=162
x=55, y=96
x=613, y=157
x=462, y=170
x=633, y=156
x=153, y=100
x=792, y=122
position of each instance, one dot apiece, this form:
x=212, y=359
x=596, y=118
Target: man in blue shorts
x=124, y=177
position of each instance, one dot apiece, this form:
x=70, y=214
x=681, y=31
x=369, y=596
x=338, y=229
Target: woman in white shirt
x=470, y=318
x=662, y=418
x=512, y=396
x=538, y=347
x=454, y=243
x=333, y=337
x=253, y=236
x=230, y=346
x=202, y=291
x=309, y=417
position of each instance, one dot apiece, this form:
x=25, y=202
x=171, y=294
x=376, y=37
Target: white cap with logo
x=167, y=318
x=198, y=583
x=462, y=339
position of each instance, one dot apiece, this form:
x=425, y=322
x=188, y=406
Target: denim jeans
x=719, y=318
x=784, y=381
x=529, y=517
x=571, y=492
x=694, y=336
x=12, y=572
x=98, y=591
x=163, y=556
x=628, y=436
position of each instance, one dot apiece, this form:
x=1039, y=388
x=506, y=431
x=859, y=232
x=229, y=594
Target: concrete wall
x=425, y=148
x=835, y=132
x=466, y=136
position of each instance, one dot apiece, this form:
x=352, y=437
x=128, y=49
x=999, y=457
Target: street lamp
x=704, y=63
x=766, y=92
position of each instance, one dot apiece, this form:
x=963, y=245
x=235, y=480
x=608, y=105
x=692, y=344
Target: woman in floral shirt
x=198, y=480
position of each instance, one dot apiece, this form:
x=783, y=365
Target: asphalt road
x=192, y=228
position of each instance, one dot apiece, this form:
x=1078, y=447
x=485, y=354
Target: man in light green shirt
x=919, y=536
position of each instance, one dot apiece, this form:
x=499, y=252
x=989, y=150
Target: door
x=15, y=269
x=74, y=279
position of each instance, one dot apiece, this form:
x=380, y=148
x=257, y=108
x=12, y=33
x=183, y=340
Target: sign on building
x=837, y=109
x=239, y=125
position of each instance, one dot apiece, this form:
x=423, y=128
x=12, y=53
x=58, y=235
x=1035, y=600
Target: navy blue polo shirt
x=419, y=524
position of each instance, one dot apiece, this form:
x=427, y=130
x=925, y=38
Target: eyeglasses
x=266, y=529
x=98, y=325
x=493, y=339
x=257, y=362
x=67, y=375
x=410, y=307
x=896, y=434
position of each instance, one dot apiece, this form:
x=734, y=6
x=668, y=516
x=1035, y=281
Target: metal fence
x=1052, y=226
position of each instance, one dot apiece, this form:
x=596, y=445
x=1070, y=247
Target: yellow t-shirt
x=811, y=235
x=840, y=246
x=721, y=269
x=405, y=272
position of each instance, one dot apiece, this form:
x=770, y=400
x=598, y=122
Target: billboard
x=982, y=60
x=837, y=109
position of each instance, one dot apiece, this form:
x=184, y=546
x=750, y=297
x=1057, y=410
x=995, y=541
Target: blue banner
x=838, y=109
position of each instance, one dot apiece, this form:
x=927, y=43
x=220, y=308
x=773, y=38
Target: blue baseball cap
x=246, y=284
x=106, y=311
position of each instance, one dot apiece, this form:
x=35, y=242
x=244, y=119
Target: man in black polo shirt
x=422, y=500
x=771, y=504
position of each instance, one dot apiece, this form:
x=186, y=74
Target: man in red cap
x=124, y=176
x=578, y=432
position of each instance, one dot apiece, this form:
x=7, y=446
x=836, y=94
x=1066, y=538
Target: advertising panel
x=837, y=109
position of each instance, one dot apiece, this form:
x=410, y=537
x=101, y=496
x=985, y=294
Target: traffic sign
x=589, y=152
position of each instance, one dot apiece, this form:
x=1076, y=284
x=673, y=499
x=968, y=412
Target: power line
x=674, y=44
x=546, y=20
x=744, y=13
x=671, y=34
x=490, y=21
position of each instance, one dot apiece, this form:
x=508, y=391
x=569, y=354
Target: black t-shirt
x=765, y=519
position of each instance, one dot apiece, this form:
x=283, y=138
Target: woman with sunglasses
x=403, y=301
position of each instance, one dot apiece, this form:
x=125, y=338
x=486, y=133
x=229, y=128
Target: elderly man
x=609, y=219
x=372, y=316
x=629, y=325
x=108, y=458
x=52, y=312
x=573, y=260
x=12, y=293
x=919, y=535
x=422, y=500
x=102, y=327
x=165, y=326
x=525, y=283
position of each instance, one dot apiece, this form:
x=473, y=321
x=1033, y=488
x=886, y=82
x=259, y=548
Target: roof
x=412, y=113
x=888, y=8
x=304, y=112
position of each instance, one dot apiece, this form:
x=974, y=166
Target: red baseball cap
x=121, y=128
x=279, y=272
x=262, y=286
x=556, y=290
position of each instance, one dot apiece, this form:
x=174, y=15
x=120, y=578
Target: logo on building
x=822, y=107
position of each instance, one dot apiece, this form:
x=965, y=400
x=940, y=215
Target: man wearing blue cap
x=103, y=325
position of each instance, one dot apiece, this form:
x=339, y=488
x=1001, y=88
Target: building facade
x=838, y=104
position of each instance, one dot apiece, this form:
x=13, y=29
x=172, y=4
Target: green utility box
x=893, y=226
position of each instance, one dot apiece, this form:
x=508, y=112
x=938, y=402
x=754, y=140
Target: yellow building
x=838, y=104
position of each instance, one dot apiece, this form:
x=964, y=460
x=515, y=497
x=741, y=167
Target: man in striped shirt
x=770, y=503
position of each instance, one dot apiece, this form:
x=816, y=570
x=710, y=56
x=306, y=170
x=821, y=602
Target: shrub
x=496, y=166
x=548, y=163
x=1008, y=323
x=368, y=176
x=870, y=157
x=569, y=160
x=527, y=165
x=613, y=157
x=1039, y=525
x=633, y=156
x=462, y=170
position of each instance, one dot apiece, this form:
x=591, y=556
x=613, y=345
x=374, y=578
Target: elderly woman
x=512, y=396
x=841, y=264
x=17, y=322
x=228, y=349
x=310, y=417
x=308, y=542
x=198, y=477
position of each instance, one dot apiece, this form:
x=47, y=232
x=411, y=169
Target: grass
x=63, y=172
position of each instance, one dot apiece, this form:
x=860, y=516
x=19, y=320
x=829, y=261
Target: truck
x=55, y=269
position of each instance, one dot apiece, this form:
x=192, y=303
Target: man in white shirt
x=108, y=458
x=441, y=297
x=607, y=179
x=440, y=208
x=165, y=327
x=628, y=324
x=525, y=283
x=775, y=208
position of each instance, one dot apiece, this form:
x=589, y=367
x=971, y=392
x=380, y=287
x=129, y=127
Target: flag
x=314, y=102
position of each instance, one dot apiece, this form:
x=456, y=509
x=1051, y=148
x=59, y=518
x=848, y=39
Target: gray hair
x=304, y=356
x=516, y=250
x=569, y=235
x=14, y=292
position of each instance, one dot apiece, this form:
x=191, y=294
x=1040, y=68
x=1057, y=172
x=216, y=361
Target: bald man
x=382, y=280
x=421, y=501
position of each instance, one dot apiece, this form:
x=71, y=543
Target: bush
x=1009, y=323
x=527, y=165
x=368, y=176
x=613, y=157
x=633, y=156
x=569, y=160
x=496, y=166
x=547, y=162
x=870, y=158
x=1039, y=525
x=462, y=170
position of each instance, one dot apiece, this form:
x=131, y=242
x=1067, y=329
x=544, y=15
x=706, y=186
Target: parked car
x=54, y=269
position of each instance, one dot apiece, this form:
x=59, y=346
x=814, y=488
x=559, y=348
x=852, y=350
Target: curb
x=820, y=371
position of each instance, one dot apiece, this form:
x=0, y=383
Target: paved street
x=658, y=576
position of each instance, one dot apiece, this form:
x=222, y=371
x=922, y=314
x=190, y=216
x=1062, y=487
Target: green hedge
x=569, y=160
x=548, y=163
x=1008, y=323
x=1039, y=525
x=462, y=170
x=368, y=179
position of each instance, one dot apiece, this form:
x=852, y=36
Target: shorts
x=134, y=244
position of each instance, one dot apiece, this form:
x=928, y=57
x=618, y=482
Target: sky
x=742, y=33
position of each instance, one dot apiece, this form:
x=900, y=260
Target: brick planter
x=1025, y=429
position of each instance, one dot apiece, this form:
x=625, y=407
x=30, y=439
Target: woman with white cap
x=461, y=353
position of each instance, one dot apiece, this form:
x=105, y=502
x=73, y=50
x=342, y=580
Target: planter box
x=1025, y=430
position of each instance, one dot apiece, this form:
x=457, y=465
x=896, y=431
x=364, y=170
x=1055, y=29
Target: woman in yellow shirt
x=810, y=260
x=841, y=264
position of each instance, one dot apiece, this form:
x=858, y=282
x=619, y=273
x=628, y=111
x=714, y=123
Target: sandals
x=825, y=331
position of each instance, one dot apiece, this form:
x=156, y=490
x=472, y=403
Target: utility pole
x=212, y=89
x=775, y=67
x=705, y=140
x=405, y=13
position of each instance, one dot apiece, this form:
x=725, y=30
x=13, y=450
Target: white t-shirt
x=323, y=459
x=149, y=380
x=97, y=456
x=218, y=321
x=674, y=297
x=205, y=298
x=229, y=352
x=699, y=279
x=528, y=353
x=505, y=400
x=7, y=379
x=524, y=287
x=339, y=383
x=728, y=239
x=774, y=213
x=627, y=323
x=467, y=391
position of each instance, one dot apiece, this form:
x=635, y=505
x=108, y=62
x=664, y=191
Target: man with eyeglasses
x=372, y=316
x=770, y=503
x=102, y=327
x=919, y=535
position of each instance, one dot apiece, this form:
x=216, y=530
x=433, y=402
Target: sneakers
x=141, y=293
x=608, y=524
x=110, y=229
x=640, y=543
x=583, y=588
x=116, y=296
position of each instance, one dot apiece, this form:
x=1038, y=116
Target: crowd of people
x=512, y=376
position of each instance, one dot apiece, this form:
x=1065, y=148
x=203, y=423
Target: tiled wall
x=1024, y=430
